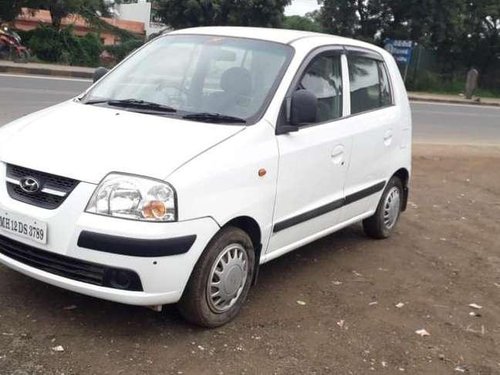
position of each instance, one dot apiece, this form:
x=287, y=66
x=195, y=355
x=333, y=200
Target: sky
x=301, y=7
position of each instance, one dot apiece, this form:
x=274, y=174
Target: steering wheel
x=174, y=94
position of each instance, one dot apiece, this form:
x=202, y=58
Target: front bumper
x=163, y=273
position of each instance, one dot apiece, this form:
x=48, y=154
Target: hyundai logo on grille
x=29, y=184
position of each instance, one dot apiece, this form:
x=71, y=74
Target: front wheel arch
x=252, y=228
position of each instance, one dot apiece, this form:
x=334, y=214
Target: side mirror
x=303, y=108
x=99, y=73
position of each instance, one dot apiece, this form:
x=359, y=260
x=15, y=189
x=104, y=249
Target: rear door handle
x=338, y=154
x=388, y=137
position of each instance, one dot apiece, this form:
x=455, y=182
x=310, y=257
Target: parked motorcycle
x=11, y=47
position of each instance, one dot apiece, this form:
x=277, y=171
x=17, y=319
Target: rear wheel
x=382, y=223
x=220, y=281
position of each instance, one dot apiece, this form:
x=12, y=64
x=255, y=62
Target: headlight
x=133, y=197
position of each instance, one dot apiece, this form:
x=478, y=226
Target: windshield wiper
x=133, y=103
x=216, y=118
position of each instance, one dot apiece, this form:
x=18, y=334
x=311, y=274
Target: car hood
x=86, y=142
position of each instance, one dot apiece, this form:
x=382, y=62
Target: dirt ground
x=444, y=256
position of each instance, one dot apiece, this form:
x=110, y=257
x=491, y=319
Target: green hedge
x=451, y=83
x=62, y=46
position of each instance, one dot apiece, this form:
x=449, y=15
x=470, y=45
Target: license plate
x=23, y=226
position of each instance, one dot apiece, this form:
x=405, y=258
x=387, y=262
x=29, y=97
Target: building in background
x=140, y=11
x=30, y=19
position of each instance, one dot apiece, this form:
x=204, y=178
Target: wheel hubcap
x=392, y=206
x=227, y=278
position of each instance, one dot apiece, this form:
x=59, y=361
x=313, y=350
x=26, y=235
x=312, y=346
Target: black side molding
x=351, y=198
x=332, y=206
x=134, y=246
x=308, y=215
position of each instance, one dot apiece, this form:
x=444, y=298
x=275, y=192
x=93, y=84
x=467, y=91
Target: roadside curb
x=413, y=98
x=45, y=71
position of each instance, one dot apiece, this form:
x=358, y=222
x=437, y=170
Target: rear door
x=373, y=122
x=313, y=161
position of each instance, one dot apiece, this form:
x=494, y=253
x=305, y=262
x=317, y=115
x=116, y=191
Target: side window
x=370, y=87
x=323, y=77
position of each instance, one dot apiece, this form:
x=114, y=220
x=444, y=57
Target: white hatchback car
x=204, y=154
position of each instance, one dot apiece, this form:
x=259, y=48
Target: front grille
x=41, y=198
x=70, y=268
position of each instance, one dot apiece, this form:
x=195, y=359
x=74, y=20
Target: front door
x=314, y=160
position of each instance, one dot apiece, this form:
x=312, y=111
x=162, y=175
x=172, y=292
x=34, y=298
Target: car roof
x=283, y=36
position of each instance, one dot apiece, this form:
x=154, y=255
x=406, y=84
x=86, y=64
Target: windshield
x=198, y=75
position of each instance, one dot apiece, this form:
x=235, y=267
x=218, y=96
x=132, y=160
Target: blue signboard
x=400, y=49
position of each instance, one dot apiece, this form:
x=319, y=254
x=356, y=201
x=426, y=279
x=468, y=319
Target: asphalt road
x=432, y=122
x=21, y=95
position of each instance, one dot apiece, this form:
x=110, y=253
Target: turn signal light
x=154, y=209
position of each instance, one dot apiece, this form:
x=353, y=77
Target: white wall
x=141, y=12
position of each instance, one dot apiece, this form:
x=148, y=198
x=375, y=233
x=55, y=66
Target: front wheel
x=220, y=281
x=383, y=221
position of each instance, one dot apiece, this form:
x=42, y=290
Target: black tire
x=195, y=305
x=376, y=226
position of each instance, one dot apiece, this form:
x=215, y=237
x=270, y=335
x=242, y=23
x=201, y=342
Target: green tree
x=351, y=18
x=190, y=13
x=180, y=14
x=63, y=8
x=461, y=33
x=480, y=41
x=9, y=9
x=338, y=17
x=306, y=23
x=434, y=21
x=259, y=13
